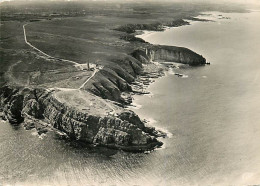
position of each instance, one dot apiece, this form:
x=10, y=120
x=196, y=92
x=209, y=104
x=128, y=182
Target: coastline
x=209, y=114
x=163, y=70
x=149, y=72
x=206, y=122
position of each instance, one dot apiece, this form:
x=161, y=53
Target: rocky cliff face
x=170, y=54
x=125, y=131
x=110, y=82
x=122, y=131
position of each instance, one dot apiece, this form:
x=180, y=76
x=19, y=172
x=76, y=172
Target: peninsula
x=72, y=69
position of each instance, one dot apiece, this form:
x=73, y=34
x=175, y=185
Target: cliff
x=169, y=54
x=85, y=113
x=111, y=81
x=73, y=112
x=123, y=130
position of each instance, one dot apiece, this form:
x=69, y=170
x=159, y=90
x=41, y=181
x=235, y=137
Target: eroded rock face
x=131, y=117
x=125, y=131
x=12, y=105
x=111, y=81
x=32, y=107
x=170, y=54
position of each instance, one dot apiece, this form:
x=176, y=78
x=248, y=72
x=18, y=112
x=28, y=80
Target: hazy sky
x=230, y=1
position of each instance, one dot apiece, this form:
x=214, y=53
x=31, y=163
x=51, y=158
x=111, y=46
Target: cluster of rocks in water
x=146, y=78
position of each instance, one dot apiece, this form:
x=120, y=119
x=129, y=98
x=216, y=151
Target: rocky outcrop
x=170, y=54
x=132, y=28
x=132, y=38
x=11, y=105
x=111, y=81
x=125, y=131
x=34, y=106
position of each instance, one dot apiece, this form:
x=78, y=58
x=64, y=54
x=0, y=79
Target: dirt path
x=25, y=39
x=77, y=65
x=95, y=71
x=43, y=53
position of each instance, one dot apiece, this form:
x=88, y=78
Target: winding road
x=43, y=53
x=75, y=64
x=65, y=60
x=95, y=71
x=25, y=39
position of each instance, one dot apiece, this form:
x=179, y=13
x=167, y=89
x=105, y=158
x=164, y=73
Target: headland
x=79, y=80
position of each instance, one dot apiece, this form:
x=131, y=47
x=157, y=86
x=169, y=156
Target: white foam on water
x=34, y=133
x=151, y=122
x=161, y=147
x=178, y=74
x=170, y=71
x=135, y=106
x=3, y=121
x=144, y=33
x=42, y=136
x=149, y=95
x=185, y=76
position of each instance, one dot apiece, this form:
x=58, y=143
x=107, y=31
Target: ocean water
x=212, y=117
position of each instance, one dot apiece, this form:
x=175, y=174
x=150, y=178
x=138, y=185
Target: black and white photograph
x=129, y=92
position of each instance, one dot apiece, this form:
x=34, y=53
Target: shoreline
x=136, y=106
x=168, y=67
x=150, y=71
x=162, y=69
x=209, y=123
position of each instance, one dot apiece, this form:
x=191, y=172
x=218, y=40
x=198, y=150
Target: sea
x=211, y=115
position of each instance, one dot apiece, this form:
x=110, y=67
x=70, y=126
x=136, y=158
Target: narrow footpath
x=43, y=53
x=75, y=64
